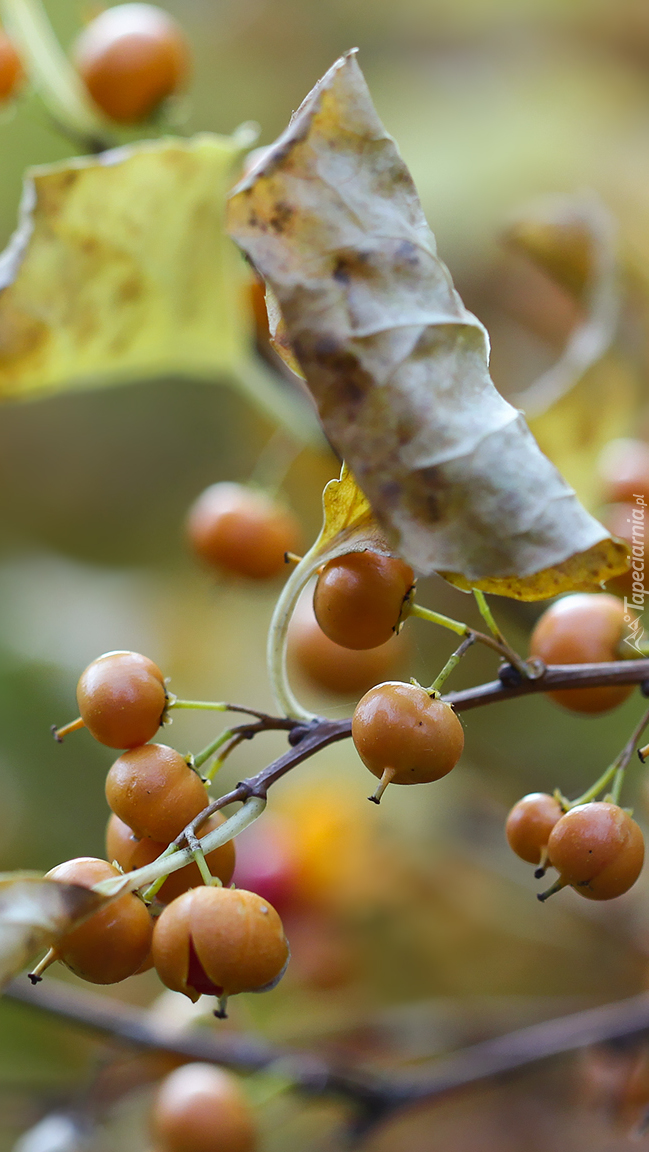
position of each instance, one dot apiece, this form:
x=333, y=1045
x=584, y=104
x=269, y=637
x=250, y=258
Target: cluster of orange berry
x=130, y=58
x=212, y=940
x=596, y=847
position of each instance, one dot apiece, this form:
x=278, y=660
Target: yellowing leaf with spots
x=397, y=365
x=121, y=269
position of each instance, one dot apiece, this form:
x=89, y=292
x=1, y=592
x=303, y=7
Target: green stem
x=51, y=73
x=166, y=864
x=599, y=785
x=414, y=609
x=452, y=663
x=277, y=634
x=204, y=705
x=616, y=770
x=274, y=462
x=285, y=407
x=205, y=754
x=487, y=615
x=154, y=888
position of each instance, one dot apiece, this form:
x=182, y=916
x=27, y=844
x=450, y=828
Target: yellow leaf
x=121, y=269
x=397, y=365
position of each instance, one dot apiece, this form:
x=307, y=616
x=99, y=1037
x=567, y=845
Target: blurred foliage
x=439, y=938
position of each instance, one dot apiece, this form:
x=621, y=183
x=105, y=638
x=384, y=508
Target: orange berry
x=113, y=943
x=11, y=69
x=242, y=531
x=530, y=823
x=583, y=628
x=344, y=671
x=131, y=853
x=400, y=730
x=598, y=849
x=358, y=598
x=201, y=1108
x=131, y=58
x=121, y=698
x=155, y=792
x=218, y=942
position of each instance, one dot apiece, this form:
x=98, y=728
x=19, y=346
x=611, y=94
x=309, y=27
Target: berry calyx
x=113, y=943
x=219, y=942
x=131, y=58
x=529, y=825
x=155, y=792
x=122, y=698
x=583, y=628
x=12, y=73
x=359, y=597
x=598, y=849
x=200, y=1107
x=242, y=531
x=130, y=853
x=405, y=736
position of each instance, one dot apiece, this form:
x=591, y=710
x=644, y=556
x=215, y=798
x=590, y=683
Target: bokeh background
x=417, y=931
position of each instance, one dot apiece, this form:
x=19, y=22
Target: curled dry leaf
x=121, y=269
x=397, y=365
x=591, y=394
x=34, y=913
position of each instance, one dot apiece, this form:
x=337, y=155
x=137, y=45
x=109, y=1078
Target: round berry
x=113, y=943
x=155, y=792
x=131, y=58
x=242, y=531
x=404, y=735
x=11, y=69
x=130, y=853
x=199, y=1108
x=530, y=823
x=121, y=698
x=624, y=468
x=218, y=942
x=598, y=849
x=358, y=598
x=583, y=628
x=343, y=671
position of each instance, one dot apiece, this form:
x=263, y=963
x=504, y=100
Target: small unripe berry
x=121, y=698
x=113, y=943
x=598, y=849
x=201, y=1108
x=583, y=628
x=155, y=792
x=242, y=531
x=131, y=58
x=359, y=597
x=218, y=942
x=530, y=823
x=131, y=853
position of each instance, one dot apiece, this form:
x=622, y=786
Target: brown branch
x=377, y=1094
x=306, y=740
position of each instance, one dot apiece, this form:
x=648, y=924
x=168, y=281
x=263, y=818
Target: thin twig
x=379, y=1093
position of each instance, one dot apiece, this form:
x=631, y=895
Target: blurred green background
x=491, y=103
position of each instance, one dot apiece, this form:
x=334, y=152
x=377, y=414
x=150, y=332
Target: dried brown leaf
x=397, y=365
x=34, y=913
